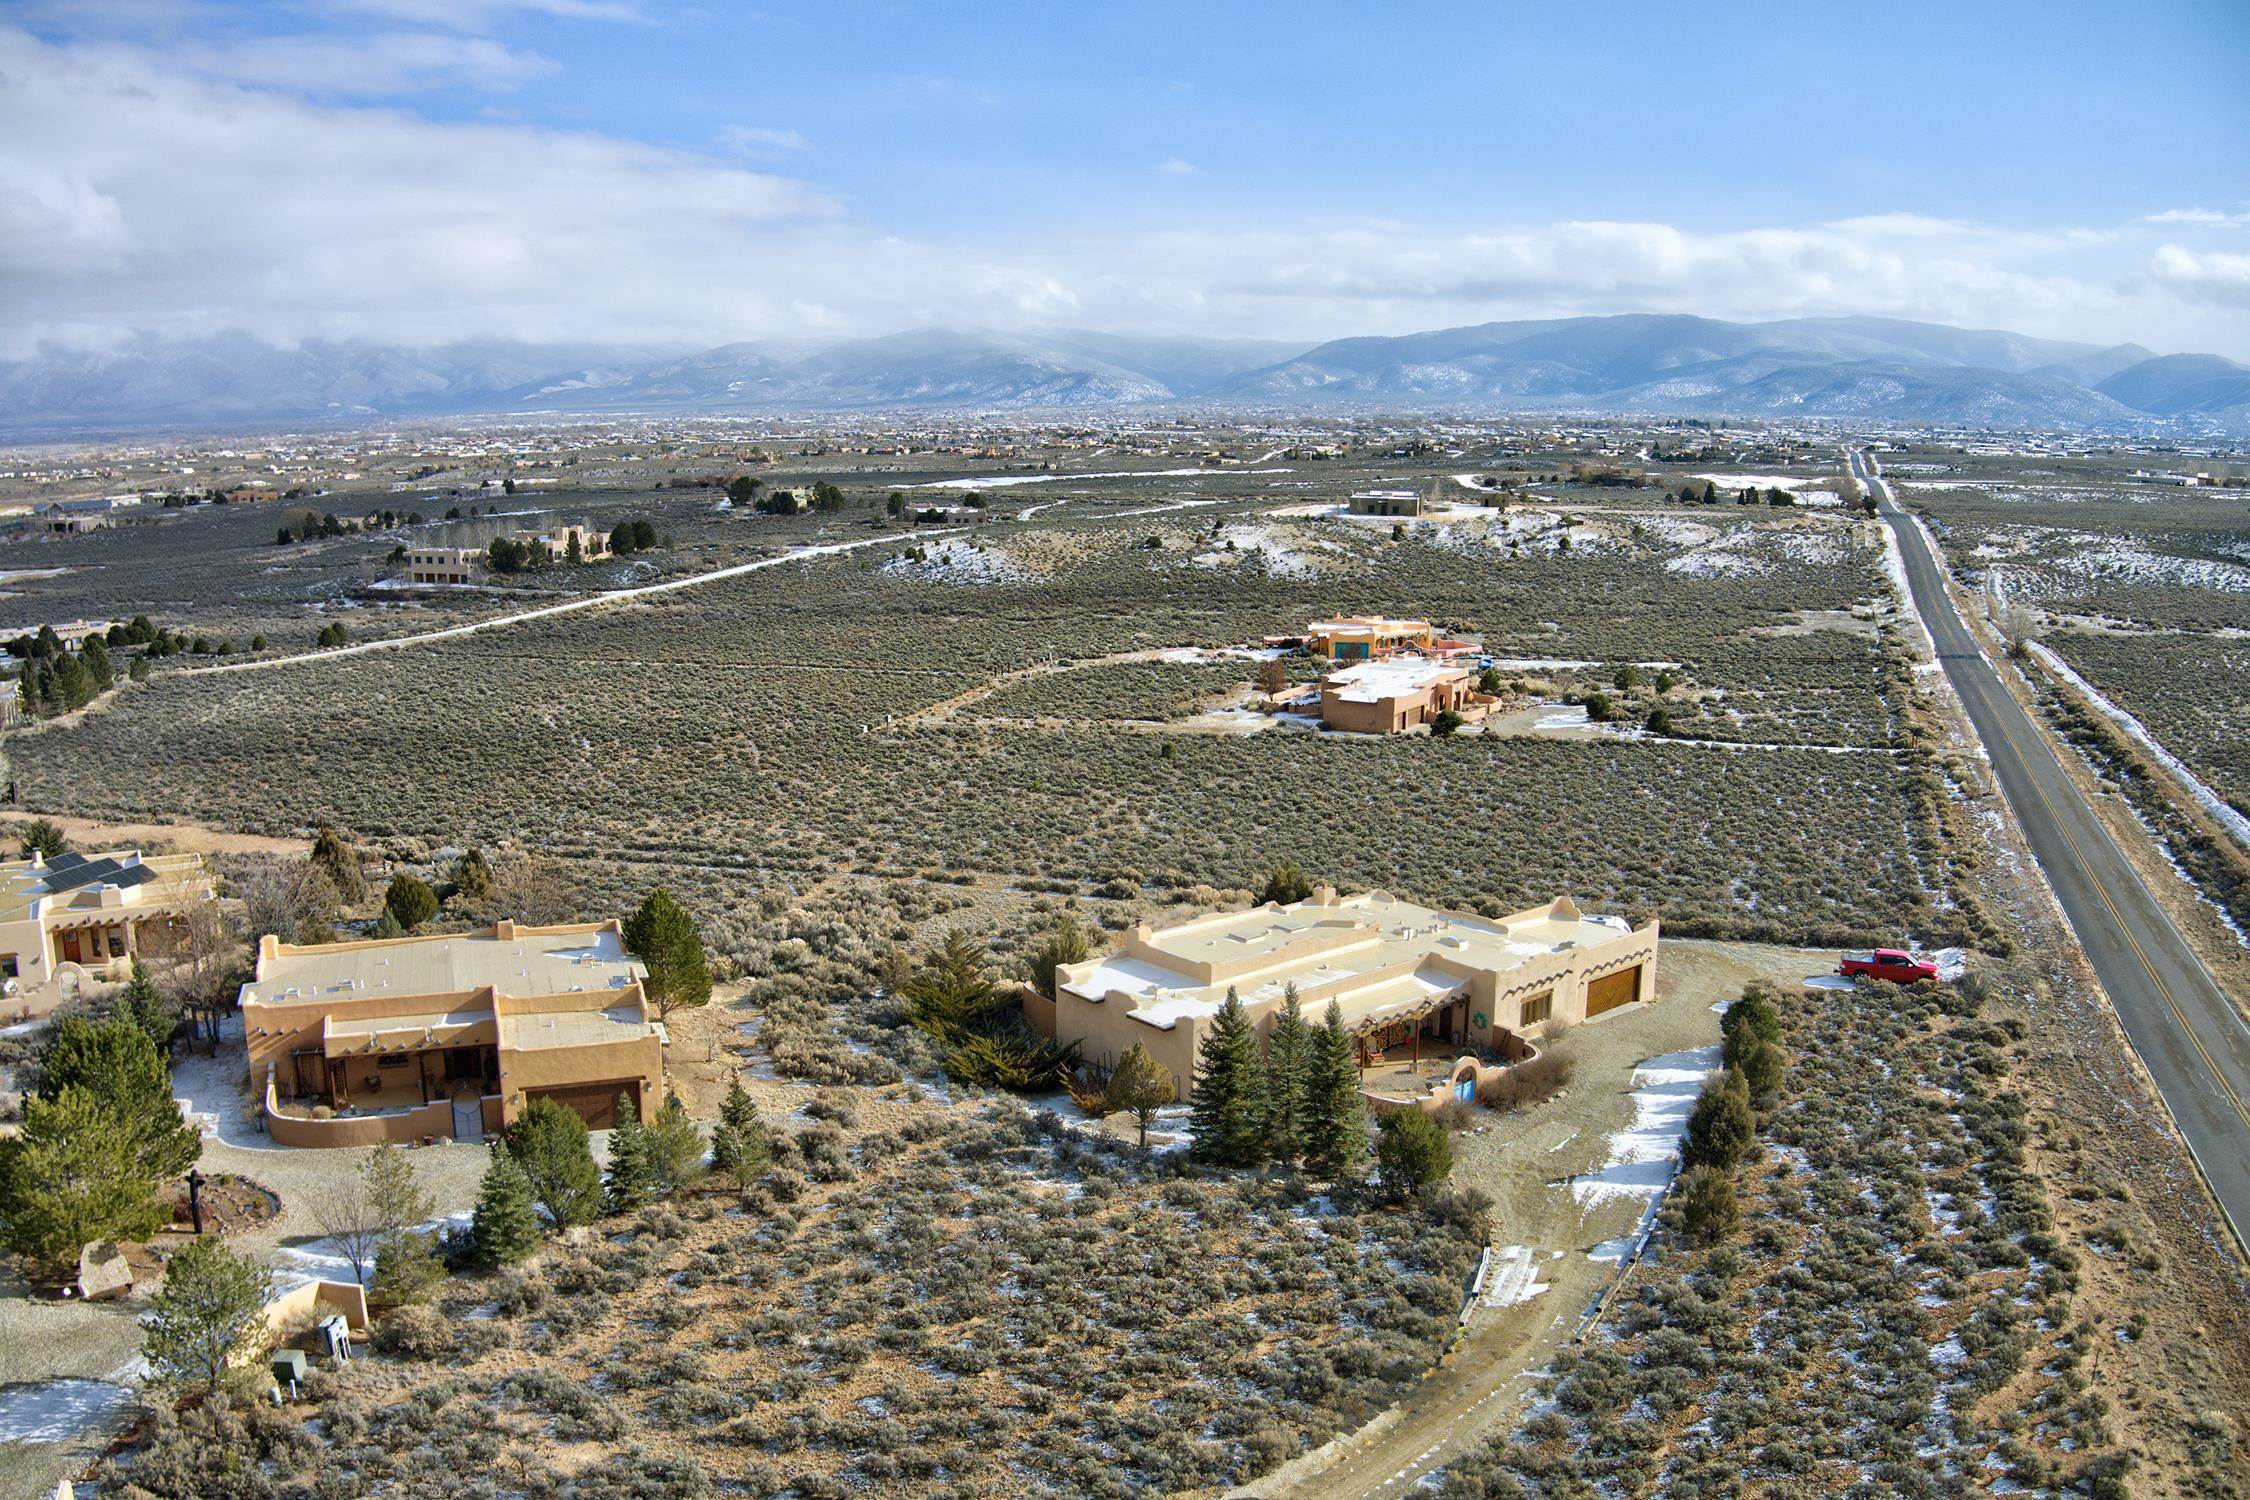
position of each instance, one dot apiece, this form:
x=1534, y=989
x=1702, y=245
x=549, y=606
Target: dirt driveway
x=1544, y=1279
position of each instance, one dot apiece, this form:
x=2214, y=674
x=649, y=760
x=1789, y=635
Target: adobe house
x=1398, y=694
x=449, y=1034
x=91, y=911
x=1367, y=637
x=1407, y=977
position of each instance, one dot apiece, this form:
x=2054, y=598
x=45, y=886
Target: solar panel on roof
x=68, y=859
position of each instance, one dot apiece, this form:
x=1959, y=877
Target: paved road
x=2195, y=1044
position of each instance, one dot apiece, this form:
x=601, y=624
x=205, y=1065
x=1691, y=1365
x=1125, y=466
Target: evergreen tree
x=472, y=876
x=1721, y=1130
x=549, y=1142
x=1226, y=1089
x=406, y=1268
x=676, y=1147
x=1064, y=944
x=1411, y=1151
x=98, y=665
x=143, y=1005
x=634, y=1180
x=69, y=1177
x=410, y=900
x=209, y=1310
x=740, y=1152
x=1286, y=884
x=1288, y=1061
x=1140, y=1086
x=116, y=1063
x=340, y=861
x=1335, y=1115
x=1708, y=1209
x=44, y=839
x=505, y=1227
x=663, y=936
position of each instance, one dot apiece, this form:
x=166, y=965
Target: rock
x=103, y=1272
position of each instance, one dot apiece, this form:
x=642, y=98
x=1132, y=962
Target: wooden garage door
x=595, y=1103
x=1612, y=990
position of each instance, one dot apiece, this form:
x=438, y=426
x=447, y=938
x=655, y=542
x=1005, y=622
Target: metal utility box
x=289, y=1365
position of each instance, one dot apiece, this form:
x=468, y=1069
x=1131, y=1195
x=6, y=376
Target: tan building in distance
x=451, y=1034
x=91, y=913
x=593, y=545
x=444, y=564
x=1367, y=637
x=1404, y=975
x=1398, y=694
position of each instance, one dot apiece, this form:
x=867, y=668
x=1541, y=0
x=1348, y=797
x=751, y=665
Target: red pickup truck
x=1895, y=964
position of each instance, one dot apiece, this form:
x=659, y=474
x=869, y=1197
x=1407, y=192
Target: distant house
x=1396, y=694
x=1367, y=637
x=592, y=545
x=92, y=911
x=444, y=564
x=1403, y=503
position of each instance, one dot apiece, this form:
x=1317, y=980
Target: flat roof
x=1393, y=677
x=529, y=963
x=1381, y=932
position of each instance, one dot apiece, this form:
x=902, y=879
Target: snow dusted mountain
x=1847, y=368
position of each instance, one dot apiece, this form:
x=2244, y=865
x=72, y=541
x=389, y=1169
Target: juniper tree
x=1411, y=1151
x=410, y=900
x=549, y=1142
x=634, y=1180
x=1286, y=884
x=1721, y=1130
x=505, y=1226
x=1335, y=1115
x=1140, y=1086
x=663, y=936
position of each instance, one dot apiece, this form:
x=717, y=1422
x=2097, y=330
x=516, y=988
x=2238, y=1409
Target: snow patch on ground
x=56, y=1411
x=1009, y=481
x=1514, y=1278
x=2210, y=801
x=1644, y=1156
x=955, y=560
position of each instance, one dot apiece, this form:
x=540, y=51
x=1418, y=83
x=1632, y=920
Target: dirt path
x=946, y=708
x=546, y=611
x=188, y=838
x=1519, y=1161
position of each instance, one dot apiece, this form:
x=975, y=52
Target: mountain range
x=1865, y=369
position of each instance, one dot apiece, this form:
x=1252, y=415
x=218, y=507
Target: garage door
x=1612, y=990
x=595, y=1103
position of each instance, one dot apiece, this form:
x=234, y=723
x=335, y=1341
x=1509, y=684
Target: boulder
x=103, y=1272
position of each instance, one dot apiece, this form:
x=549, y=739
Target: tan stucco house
x=1403, y=974
x=1397, y=694
x=90, y=913
x=451, y=1034
x=1367, y=637
x=444, y=564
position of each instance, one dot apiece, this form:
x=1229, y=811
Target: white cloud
x=2210, y=279
x=363, y=66
x=2205, y=216
x=1176, y=168
x=471, y=15
x=760, y=140
x=152, y=191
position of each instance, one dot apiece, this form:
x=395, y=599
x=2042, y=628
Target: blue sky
x=626, y=170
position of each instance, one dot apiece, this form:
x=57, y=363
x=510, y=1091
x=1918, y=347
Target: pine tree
x=740, y=1152
x=1335, y=1115
x=505, y=1227
x=633, y=1180
x=676, y=1147
x=663, y=936
x=116, y=1063
x=1288, y=1056
x=143, y=1005
x=71, y=1176
x=208, y=1310
x=1226, y=1089
x=406, y=1267
x=549, y=1142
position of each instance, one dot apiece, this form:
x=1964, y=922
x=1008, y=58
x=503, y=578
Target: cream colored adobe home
x=1367, y=637
x=1404, y=975
x=444, y=564
x=90, y=913
x=593, y=545
x=449, y=1034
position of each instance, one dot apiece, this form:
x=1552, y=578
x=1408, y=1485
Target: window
x=7, y=966
x=1536, y=1009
